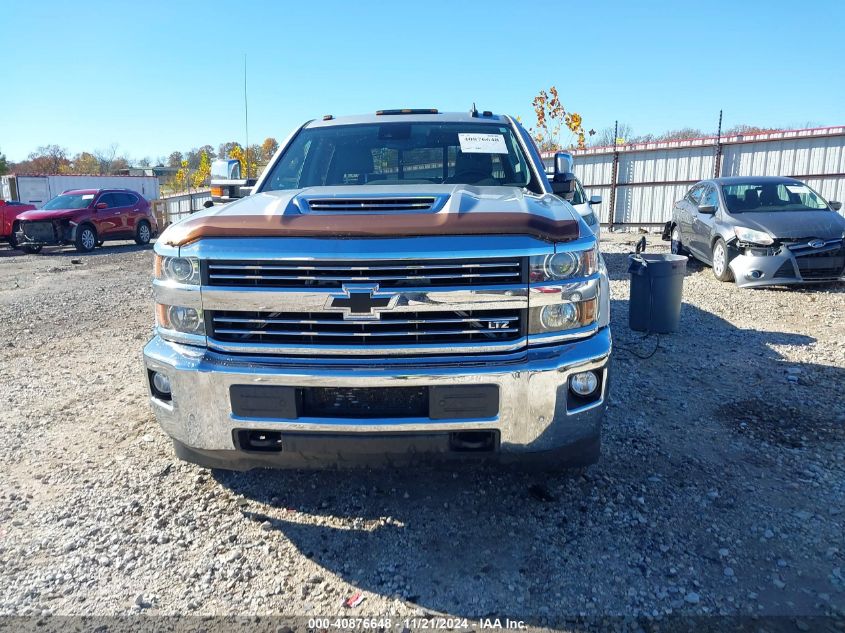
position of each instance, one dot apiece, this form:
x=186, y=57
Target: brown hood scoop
x=364, y=217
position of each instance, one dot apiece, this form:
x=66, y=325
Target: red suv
x=86, y=218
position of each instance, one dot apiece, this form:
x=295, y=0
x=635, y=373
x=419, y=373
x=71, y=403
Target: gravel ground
x=720, y=490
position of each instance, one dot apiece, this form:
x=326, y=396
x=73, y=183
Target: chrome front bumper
x=534, y=415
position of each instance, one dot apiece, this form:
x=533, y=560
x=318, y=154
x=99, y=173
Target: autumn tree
x=225, y=149
x=552, y=119
x=182, y=176
x=268, y=148
x=175, y=159
x=48, y=159
x=208, y=149
x=85, y=163
x=203, y=172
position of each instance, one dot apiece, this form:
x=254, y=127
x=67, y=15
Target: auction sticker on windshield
x=482, y=143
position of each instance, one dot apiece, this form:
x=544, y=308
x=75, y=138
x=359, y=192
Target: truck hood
x=456, y=210
x=47, y=214
x=788, y=225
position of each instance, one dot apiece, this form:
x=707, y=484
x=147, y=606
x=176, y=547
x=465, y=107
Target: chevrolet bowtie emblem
x=361, y=301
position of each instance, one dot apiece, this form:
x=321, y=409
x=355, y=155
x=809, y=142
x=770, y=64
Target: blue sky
x=158, y=76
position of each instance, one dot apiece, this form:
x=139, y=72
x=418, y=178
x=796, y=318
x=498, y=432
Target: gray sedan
x=760, y=231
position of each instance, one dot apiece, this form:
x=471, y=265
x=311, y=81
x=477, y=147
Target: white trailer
x=38, y=189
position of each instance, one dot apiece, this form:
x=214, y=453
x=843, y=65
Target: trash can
x=657, y=285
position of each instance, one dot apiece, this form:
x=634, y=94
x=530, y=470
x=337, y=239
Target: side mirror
x=563, y=184
x=208, y=203
x=101, y=205
x=563, y=163
x=836, y=206
x=706, y=209
x=595, y=199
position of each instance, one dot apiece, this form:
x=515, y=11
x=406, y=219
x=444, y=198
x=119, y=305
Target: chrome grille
x=395, y=328
x=387, y=274
x=371, y=204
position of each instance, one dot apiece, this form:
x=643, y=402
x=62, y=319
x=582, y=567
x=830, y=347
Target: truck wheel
x=721, y=270
x=31, y=250
x=143, y=233
x=86, y=238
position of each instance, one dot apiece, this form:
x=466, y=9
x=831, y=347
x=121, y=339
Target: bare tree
x=105, y=157
x=605, y=137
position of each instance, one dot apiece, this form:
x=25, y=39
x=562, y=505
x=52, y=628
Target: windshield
x=402, y=153
x=70, y=201
x=771, y=196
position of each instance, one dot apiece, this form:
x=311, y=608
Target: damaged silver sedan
x=760, y=231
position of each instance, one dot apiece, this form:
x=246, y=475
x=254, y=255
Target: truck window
x=402, y=153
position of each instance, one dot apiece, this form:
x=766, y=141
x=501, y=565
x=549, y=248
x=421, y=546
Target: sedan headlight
x=564, y=265
x=183, y=270
x=751, y=236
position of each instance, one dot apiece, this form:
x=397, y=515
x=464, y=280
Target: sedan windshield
x=771, y=196
x=402, y=153
x=70, y=201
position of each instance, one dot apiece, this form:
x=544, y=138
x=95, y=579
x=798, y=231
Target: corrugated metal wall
x=652, y=176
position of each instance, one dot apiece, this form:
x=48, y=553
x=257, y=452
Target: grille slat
x=388, y=274
x=406, y=328
x=322, y=321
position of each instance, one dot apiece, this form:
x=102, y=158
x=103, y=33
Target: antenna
x=246, y=122
x=473, y=111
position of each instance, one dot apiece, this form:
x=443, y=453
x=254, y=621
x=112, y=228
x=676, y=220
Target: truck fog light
x=161, y=383
x=185, y=320
x=559, y=316
x=584, y=383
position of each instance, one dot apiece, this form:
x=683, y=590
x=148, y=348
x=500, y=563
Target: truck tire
x=86, y=238
x=143, y=233
x=31, y=250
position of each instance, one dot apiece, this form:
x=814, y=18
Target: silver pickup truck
x=400, y=286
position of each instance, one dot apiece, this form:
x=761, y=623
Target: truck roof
x=411, y=117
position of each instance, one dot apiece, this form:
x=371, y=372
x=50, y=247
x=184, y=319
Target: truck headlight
x=752, y=237
x=559, y=317
x=180, y=319
x=564, y=265
x=183, y=270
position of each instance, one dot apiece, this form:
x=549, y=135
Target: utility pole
x=613, y=173
x=246, y=122
x=718, y=170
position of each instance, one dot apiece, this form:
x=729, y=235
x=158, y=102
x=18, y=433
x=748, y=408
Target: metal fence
x=640, y=183
x=173, y=208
